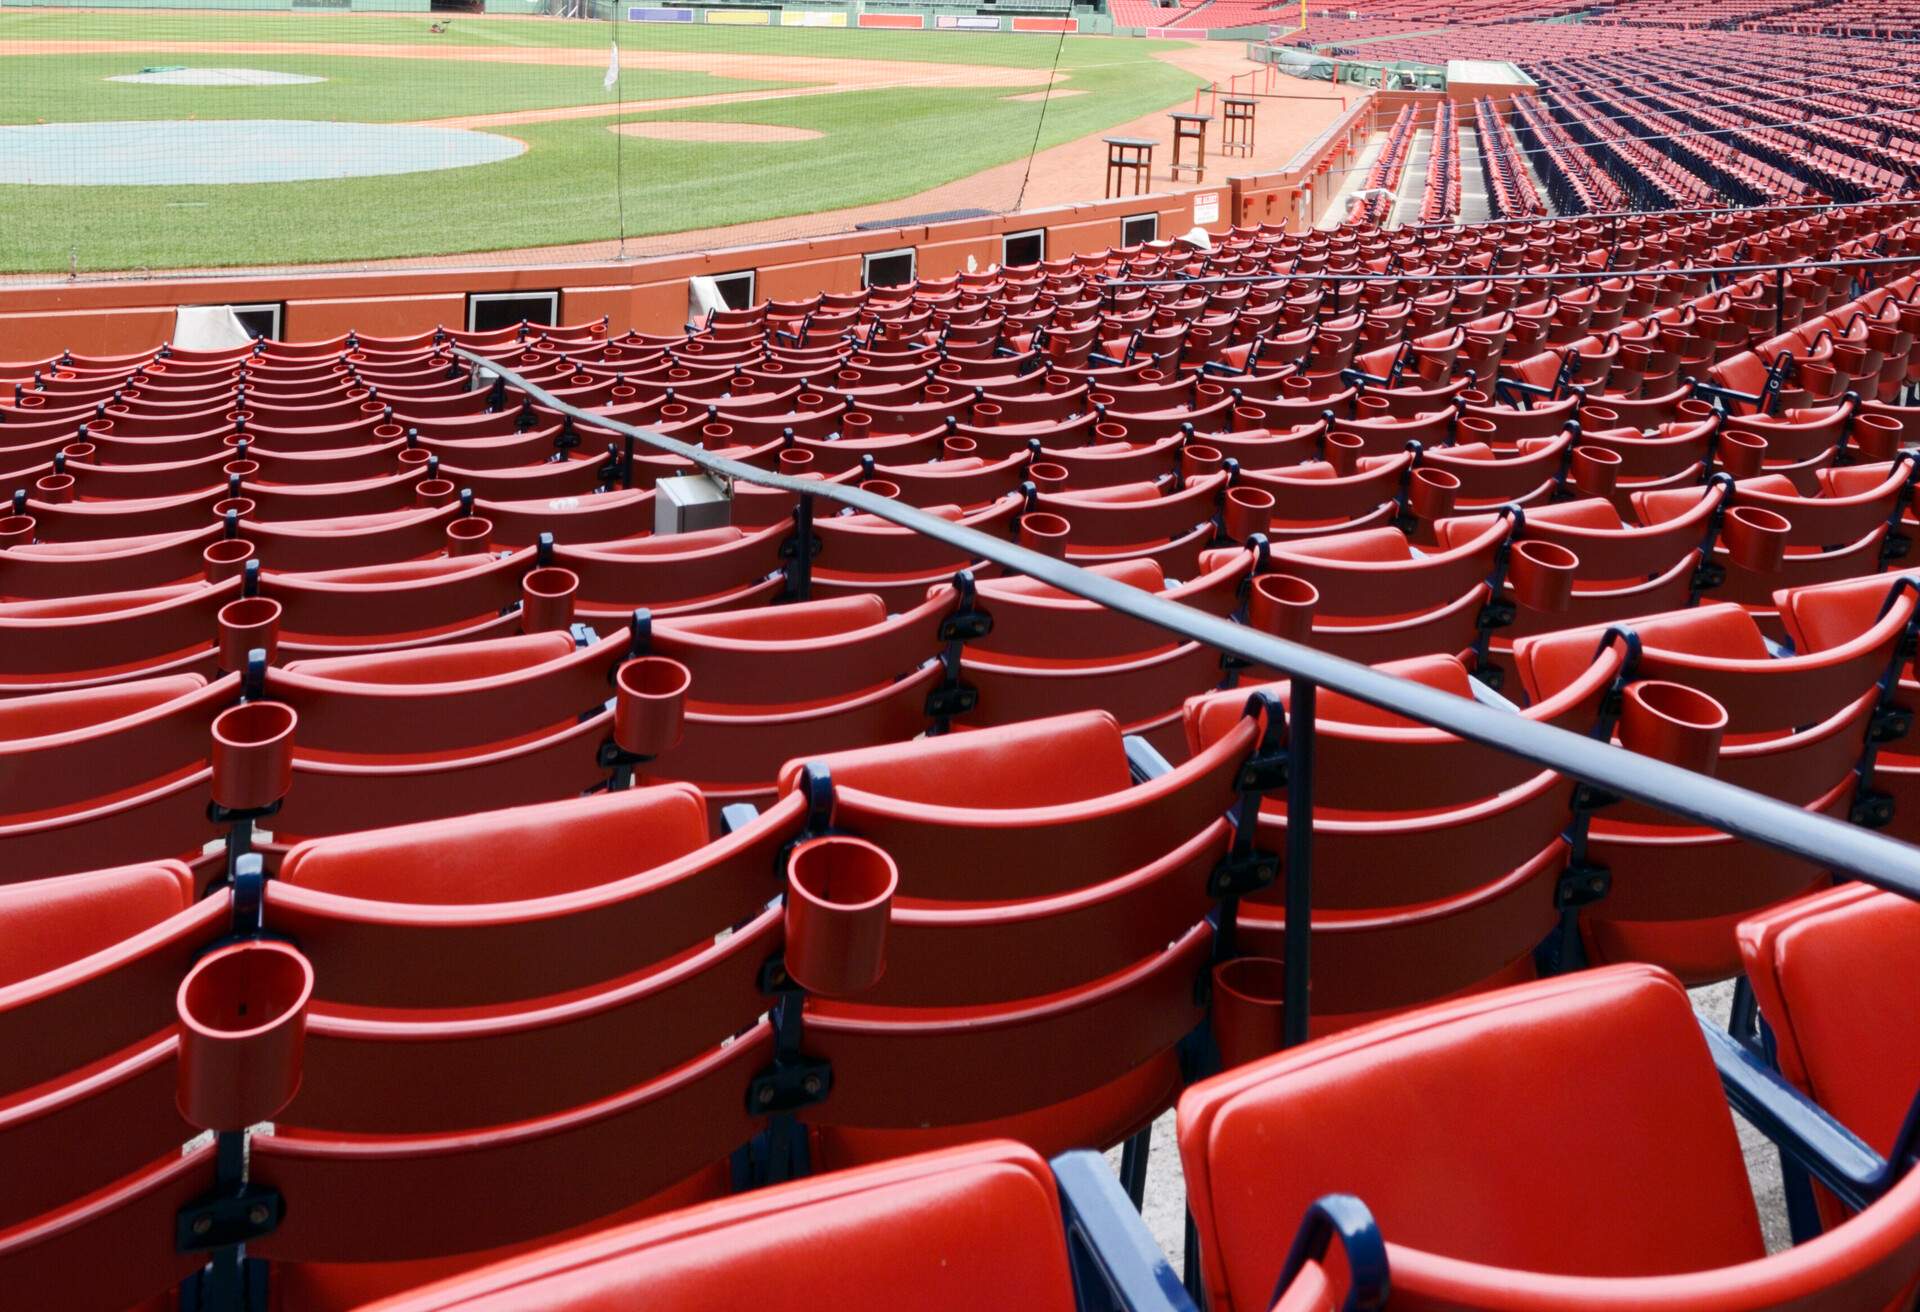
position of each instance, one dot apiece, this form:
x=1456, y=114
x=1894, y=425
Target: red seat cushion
x=510, y=855
x=1444, y=1120
x=1834, y=976
x=49, y=923
x=960, y=1229
x=1069, y=758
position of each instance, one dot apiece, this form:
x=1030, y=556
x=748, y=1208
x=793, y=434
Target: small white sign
x=1206, y=207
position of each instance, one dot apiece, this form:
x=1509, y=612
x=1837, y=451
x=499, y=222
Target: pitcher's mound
x=735, y=133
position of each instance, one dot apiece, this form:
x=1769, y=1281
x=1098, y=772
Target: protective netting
x=326, y=134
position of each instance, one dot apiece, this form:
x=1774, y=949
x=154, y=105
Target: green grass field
x=578, y=181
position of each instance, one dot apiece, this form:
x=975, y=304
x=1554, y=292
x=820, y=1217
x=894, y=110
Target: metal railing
x=1812, y=1141
x=1701, y=799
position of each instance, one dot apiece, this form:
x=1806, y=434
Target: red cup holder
x=1249, y=1008
x=1472, y=428
x=855, y=424
x=240, y=506
x=1047, y=476
x=546, y=599
x=1283, y=605
x=1100, y=398
x=1741, y=453
x=1693, y=410
x=935, y=392
x=1058, y=383
x=673, y=412
x=1673, y=723
x=1248, y=510
x=1343, y=452
x=881, y=487
x=1596, y=417
x=81, y=451
x=388, y=432
x=795, y=460
x=1877, y=436
x=17, y=530
x=468, y=535
x=810, y=400
x=986, y=414
x=252, y=748
x=1596, y=470
x=243, y=1021
x=31, y=401
x=1431, y=493
x=958, y=448
x=240, y=468
x=1756, y=539
x=414, y=458
x=839, y=898
x=372, y=408
x=225, y=559
x=650, y=704
x=1373, y=407
x=1046, y=533
x=1542, y=575
x=716, y=435
x=1247, y=418
x=1198, y=460
x=1110, y=431
x=54, y=489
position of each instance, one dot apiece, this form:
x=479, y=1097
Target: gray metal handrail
x=1881, y=861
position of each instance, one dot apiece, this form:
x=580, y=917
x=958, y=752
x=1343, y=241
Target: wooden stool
x=1236, y=127
x=1190, y=127
x=1128, y=153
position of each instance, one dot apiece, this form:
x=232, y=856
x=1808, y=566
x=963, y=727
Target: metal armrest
x=1117, y=1267
x=1347, y=1218
x=1144, y=761
x=1806, y=1133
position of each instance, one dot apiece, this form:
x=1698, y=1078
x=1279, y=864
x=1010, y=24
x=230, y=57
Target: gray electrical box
x=689, y=503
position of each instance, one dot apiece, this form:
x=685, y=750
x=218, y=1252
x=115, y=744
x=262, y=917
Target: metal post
x=800, y=580
x=229, y=1177
x=1299, y=861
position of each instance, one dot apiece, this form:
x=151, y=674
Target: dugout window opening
x=1019, y=250
x=491, y=311
x=887, y=268
x=263, y=319
x=736, y=289
x=1139, y=229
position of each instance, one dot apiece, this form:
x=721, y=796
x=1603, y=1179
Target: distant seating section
x=489, y=869
x=1739, y=102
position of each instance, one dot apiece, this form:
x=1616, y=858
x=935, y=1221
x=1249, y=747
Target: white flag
x=613, y=67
